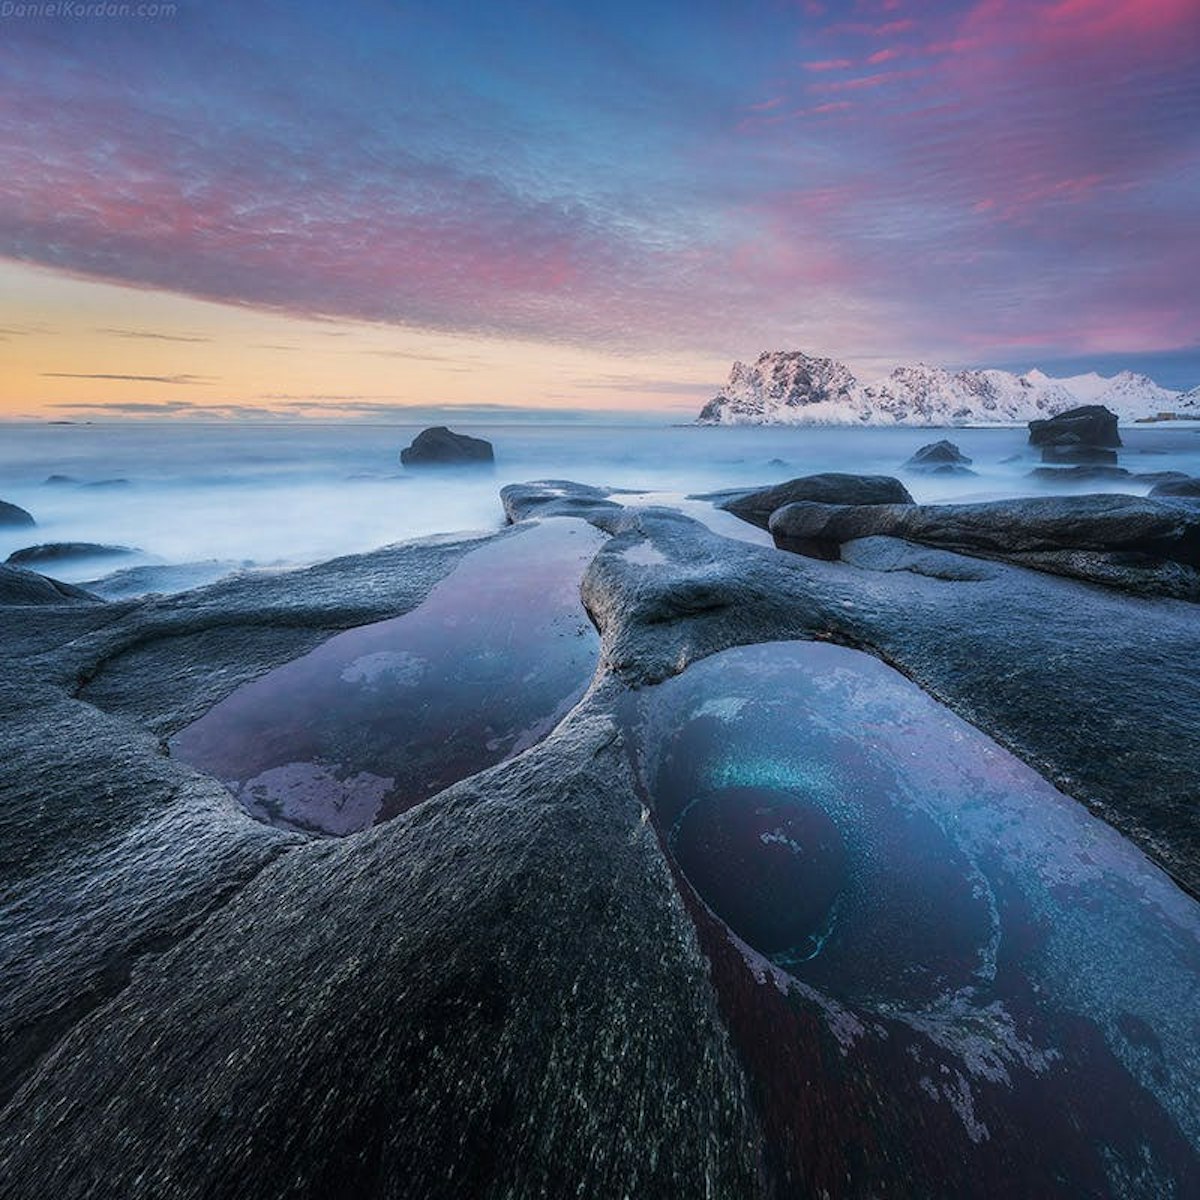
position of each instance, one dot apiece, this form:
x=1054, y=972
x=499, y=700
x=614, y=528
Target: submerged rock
x=13, y=516
x=829, y=488
x=439, y=446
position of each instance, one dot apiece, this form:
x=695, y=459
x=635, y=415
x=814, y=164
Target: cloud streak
x=172, y=380
x=149, y=335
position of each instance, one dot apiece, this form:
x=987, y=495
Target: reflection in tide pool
x=936, y=966
x=379, y=718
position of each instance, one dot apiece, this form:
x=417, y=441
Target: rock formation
x=940, y=458
x=1143, y=545
x=441, y=447
x=830, y=488
x=13, y=516
x=58, y=552
x=794, y=388
x=516, y=989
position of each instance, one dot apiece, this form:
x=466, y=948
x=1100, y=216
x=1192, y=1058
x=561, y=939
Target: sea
x=258, y=496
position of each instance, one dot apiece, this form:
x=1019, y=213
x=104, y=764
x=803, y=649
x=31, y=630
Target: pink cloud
x=860, y=82
x=828, y=64
x=866, y=29
x=765, y=105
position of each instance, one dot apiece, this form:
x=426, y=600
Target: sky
x=309, y=209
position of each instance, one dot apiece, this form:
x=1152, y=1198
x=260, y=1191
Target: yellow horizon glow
x=58, y=332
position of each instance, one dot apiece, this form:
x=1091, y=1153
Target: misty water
x=240, y=495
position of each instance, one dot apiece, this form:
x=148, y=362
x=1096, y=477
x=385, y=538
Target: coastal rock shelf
x=752, y=916
x=906, y=903
x=381, y=717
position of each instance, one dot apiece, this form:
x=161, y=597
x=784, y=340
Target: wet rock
x=60, y=481
x=198, y=1005
x=1047, y=533
x=894, y=554
x=439, y=446
x=13, y=516
x=1069, y=449
x=108, y=484
x=508, y=944
x=22, y=587
x=1082, y=473
x=131, y=582
x=58, y=552
x=1090, y=425
x=554, y=497
x=935, y=457
x=1186, y=488
x=1160, y=476
x=830, y=488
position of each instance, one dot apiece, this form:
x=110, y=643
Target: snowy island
x=789, y=387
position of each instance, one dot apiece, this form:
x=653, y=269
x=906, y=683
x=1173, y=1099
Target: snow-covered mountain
x=788, y=387
x=1189, y=402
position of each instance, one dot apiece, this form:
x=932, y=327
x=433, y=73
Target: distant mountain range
x=789, y=387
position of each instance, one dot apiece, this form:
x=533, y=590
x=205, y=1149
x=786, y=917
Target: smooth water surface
x=381, y=717
x=974, y=939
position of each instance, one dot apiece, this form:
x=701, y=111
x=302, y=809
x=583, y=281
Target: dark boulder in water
x=1090, y=425
x=829, y=488
x=442, y=447
x=57, y=552
x=13, y=516
x=20, y=587
x=60, y=481
x=1086, y=435
x=937, y=456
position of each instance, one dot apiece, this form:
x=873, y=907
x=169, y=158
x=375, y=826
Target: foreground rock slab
x=512, y=989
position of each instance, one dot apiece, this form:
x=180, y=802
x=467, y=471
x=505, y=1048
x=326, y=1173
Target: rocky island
x=790, y=387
